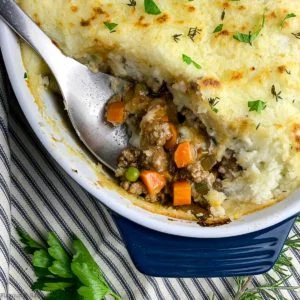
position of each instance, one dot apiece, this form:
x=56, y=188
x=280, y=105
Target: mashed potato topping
x=234, y=64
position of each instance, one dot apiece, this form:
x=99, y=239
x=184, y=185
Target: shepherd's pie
x=215, y=107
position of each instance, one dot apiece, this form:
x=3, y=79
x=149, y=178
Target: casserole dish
x=158, y=245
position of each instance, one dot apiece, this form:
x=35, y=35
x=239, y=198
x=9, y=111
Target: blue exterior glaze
x=164, y=255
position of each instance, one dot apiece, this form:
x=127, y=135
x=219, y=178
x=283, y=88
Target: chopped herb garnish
x=131, y=3
x=251, y=36
x=218, y=28
x=288, y=71
x=288, y=16
x=213, y=102
x=258, y=125
x=256, y=105
x=276, y=94
x=193, y=31
x=223, y=15
x=111, y=26
x=151, y=8
x=189, y=61
x=296, y=35
x=25, y=75
x=176, y=37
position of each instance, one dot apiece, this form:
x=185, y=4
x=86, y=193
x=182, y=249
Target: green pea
x=132, y=174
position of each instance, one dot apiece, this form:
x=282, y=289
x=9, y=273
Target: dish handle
x=158, y=254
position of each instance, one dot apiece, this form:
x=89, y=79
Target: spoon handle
x=22, y=24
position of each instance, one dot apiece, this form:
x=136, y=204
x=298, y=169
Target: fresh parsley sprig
x=219, y=28
x=151, y=7
x=111, y=26
x=256, y=105
x=189, y=61
x=250, y=37
x=65, y=276
x=288, y=16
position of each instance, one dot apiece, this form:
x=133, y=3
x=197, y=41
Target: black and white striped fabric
x=38, y=196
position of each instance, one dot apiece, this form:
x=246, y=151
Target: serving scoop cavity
x=85, y=93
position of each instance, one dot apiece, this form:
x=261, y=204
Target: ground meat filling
x=156, y=133
x=198, y=174
x=174, y=159
x=128, y=158
x=135, y=188
x=154, y=158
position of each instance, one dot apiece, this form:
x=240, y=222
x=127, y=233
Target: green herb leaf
x=66, y=294
x=41, y=259
x=218, y=28
x=62, y=262
x=176, y=37
x=288, y=16
x=189, y=61
x=25, y=75
x=111, y=26
x=276, y=95
x=283, y=263
x=293, y=242
x=31, y=244
x=250, y=37
x=223, y=15
x=256, y=105
x=83, y=280
x=41, y=272
x=151, y=8
x=296, y=35
x=89, y=274
x=269, y=290
x=51, y=284
x=213, y=102
x=131, y=3
x=193, y=31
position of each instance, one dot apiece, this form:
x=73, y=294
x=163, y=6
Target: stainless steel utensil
x=85, y=93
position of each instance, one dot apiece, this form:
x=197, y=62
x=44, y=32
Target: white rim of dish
x=257, y=221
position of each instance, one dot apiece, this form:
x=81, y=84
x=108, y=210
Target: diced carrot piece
x=183, y=155
x=115, y=113
x=153, y=181
x=171, y=143
x=182, y=193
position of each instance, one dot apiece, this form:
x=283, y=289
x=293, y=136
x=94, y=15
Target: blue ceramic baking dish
x=158, y=245
x=159, y=254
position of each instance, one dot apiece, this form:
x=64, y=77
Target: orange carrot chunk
x=183, y=155
x=171, y=142
x=153, y=181
x=182, y=193
x=115, y=113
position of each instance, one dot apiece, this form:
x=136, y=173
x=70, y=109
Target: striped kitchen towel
x=38, y=196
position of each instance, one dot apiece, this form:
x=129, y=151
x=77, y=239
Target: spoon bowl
x=85, y=93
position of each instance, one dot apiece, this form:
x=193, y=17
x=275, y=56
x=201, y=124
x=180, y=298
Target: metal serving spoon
x=85, y=93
